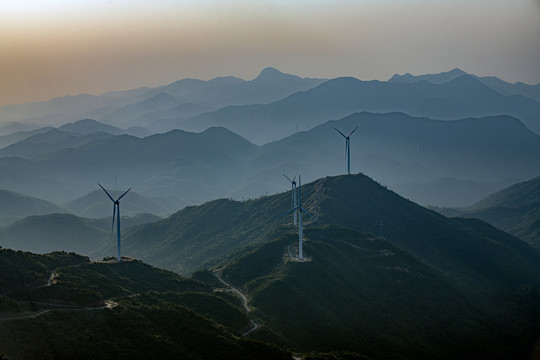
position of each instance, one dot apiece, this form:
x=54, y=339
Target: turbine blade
x=286, y=177
x=353, y=131
x=295, y=175
x=312, y=218
x=287, y=212
x=121, y=196
x=106, y=192
x=340, y=133
x=113, y=216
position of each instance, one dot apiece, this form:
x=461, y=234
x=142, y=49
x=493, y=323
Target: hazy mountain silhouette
x=408, y=153
x=97, y=205
x=52, y=141
x=434, y=162
x=88, y=126
x=17, y=136
x=124, y=115
x=439, y=78
x=14, y=206
x=462, y=97
x=515, y=210
x=177, y=163
x=68, y=135
x=67, y=232
x=502, y=87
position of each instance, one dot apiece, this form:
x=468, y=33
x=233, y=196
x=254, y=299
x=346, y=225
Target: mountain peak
x=87, y=126
x=271, y=74
x=439, y=78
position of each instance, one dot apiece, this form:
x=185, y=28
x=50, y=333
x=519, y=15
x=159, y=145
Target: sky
x=56, y=48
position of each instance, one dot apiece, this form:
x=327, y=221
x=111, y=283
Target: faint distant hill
x=515, y=210
x=97, y=205
x=14, y=137
x=502, y=87
x=30, y=143
x=191, y=97
x=429, y=161
x=462, y=97
x=187, y=97
x=14, y=206
x=67, y=232
x=434, y=162
x=439, y=78
x=52, y=141
x=88, y=126
x=55, y=232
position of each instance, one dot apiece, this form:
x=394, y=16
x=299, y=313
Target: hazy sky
x=56, y=48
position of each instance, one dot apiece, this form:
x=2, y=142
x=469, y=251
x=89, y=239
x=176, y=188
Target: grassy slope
x=159, y=314
x=206, y=235
x=365, y=295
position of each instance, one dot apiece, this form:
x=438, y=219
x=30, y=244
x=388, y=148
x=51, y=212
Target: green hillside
x=204, y=236
x=106, y=310
x=362, y=294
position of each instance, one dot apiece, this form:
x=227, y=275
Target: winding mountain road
x=244, y=301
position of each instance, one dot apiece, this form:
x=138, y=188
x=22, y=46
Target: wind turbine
x=116, y=212
x=347, y=148
x=300, y=209
x=294, y=200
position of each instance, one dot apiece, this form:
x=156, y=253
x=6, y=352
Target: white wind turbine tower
x=294, y=200
x=116, y=212
x=347, y=148
x=300, y=209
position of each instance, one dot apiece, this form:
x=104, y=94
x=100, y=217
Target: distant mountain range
x=471, y=158
x=141, y=106
x=14, y=206
x=461, y=97
x=502, y=87
x=448, y=163
x=280, y=103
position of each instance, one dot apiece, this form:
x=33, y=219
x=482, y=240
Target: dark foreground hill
x=362, y=294
x=515, y=210
x=469, y=250
x=115, y=310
